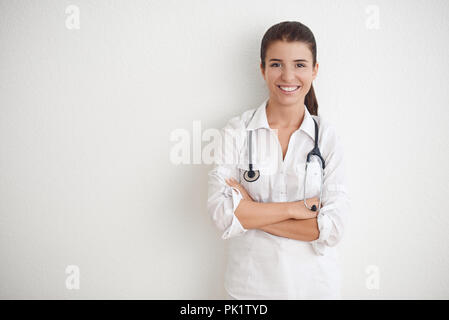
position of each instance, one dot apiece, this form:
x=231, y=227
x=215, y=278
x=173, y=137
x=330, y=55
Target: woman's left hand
x=232, y=183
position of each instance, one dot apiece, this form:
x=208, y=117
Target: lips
x=289, y=87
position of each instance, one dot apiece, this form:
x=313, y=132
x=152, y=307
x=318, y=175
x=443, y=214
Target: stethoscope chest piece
x=251, y=175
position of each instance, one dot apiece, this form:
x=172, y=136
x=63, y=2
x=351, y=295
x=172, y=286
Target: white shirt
x=262, y=265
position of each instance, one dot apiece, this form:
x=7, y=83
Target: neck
x=285, y=116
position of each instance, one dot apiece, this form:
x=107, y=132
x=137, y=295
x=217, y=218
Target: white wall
x=86, y=116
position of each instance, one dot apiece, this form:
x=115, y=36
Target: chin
x=289, y=99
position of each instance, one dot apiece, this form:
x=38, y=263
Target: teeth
x=288, y=88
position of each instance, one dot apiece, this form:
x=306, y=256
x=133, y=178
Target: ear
x=315, y=71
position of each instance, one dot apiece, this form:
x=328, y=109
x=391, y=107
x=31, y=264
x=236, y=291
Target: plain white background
x=86, y=116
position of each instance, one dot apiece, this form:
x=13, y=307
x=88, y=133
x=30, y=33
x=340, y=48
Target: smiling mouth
x=289, y=89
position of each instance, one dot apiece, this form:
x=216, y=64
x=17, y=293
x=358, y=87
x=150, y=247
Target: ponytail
x=311, y=102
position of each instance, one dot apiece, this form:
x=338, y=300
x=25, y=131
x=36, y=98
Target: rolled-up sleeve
x=333, y=216
x=223, y=200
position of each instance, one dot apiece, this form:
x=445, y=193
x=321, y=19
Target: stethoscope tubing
x=313, y=207
x=252, y=175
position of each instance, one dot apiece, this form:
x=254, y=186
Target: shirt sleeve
x=223, y=200
x=332, y=218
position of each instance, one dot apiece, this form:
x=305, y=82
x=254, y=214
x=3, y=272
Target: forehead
x=288, y=50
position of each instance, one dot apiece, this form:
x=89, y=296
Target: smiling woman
x=291, y=66
x=280, y=248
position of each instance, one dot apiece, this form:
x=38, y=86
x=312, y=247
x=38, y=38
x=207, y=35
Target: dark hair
x=292, y=31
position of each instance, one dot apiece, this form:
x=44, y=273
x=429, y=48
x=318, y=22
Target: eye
x=272, y=65
x=300, y=64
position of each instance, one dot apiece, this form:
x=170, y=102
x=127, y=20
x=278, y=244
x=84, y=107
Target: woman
x=279, y=248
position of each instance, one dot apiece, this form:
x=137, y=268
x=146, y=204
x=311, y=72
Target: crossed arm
x=304, y=229
x=287, y=219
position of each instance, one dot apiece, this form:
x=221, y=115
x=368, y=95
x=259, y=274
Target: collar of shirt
x=259, y=120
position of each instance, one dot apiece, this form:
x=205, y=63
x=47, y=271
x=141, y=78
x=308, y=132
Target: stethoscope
x=252, y=175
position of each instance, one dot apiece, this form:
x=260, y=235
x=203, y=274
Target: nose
x=287, y=74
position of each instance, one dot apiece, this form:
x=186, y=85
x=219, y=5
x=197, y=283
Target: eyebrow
x=297, y=60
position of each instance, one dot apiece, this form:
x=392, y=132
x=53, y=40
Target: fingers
x=314, y=201
x=313, y=214
x=231, y=182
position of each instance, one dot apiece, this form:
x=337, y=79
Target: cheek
x=305, y=76
x=306, y=80
x=272, y=77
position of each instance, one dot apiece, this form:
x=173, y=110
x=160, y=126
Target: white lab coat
x=261, y=265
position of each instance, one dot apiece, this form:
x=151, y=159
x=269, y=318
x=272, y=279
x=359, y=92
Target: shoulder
x=234, y=133
x=240, y=121
x=327, y=129
x=329, y=139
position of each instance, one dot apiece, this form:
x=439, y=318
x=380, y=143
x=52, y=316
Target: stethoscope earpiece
x=251, y=175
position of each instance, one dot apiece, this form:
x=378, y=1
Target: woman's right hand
x=233, y=183
x=300, y=211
